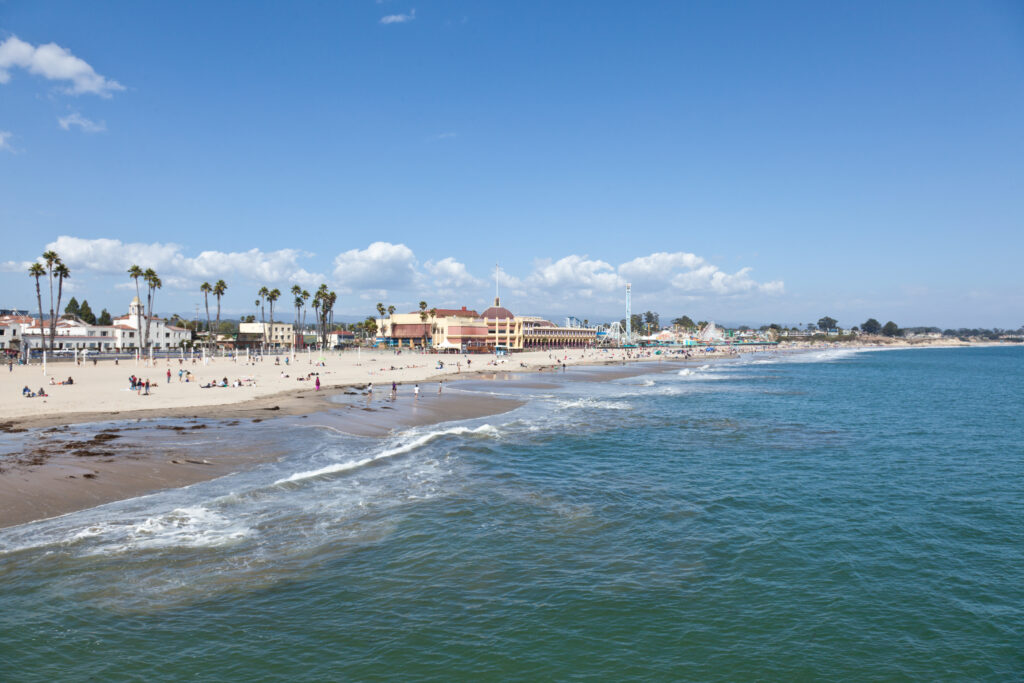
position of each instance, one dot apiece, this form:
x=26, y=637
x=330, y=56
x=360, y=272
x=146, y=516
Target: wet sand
x=46, y=472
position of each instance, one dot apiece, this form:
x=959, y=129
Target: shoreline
x=60, y=468
x=42, y=478
x=280, y=398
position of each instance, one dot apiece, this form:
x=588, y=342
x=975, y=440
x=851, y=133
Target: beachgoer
x=26, y=391
x=41, y=392
x=439, y=384
x=416, y=391
x=147, y=387
x=318, y=383
x=168, y=375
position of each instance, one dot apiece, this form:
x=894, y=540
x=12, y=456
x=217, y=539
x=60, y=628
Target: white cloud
x=76, y=119
x=398, y=18
x=5, y=136
x=449, y=274
x=176, y=269
x=576, y=273
x=382, y=266
x=15, y=266
x=655, y=270
x=446, y=136
x=53, y=62
x=386, y=271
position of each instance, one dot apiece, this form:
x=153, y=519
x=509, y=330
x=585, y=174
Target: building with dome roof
x=497, y=328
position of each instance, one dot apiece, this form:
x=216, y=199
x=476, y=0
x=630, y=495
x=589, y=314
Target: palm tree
x=51, y=258
x=332, y=299
x=317, y=298
x=433, y=322
x=297, y=293
x=381, y=310
x=205, y=288
x=218, y=291
x=262, y=294
x=63, y=273
x=135, y=273
x=153, y=283
x=423, y=319
x=272, y=296
x=305, y=297
x=36, y=271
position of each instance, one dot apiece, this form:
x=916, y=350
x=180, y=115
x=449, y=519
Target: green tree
x=263, y=294
x=272, y=296
x=871, y=326
x=85, y=313
x=305, y=297
x=63, y=273
x=297, y=293
x=218, y=291
x=825, y=324
x=104, y=318
x=423, y=319
x=891, y=329
x=206, y=289
x=684, y=322
x=72, y=307
x=134, y=272
x=36, y=271
x=153, y=283
x=381, y=311
x=51, y=259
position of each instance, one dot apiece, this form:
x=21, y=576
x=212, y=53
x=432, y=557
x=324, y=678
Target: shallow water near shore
x=833, y=514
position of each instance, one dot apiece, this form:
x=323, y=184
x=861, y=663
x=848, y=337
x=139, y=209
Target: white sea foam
x=418, y=442
x=186, y=527
x=820, y=356
x=594, y=403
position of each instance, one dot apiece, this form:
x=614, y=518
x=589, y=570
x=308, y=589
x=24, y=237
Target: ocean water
x=831, y=515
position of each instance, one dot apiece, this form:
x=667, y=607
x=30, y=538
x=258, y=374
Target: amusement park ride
x=616, y=334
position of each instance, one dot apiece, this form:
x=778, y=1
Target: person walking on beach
x=318, y=383
x=416, y=391
x=394, y=390
x=439, y=385
x=168, y=375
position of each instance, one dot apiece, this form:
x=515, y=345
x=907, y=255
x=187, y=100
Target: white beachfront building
x=162, y=335
x=74, y=333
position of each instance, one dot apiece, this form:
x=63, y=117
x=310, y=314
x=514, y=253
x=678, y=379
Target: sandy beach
x=102, y=392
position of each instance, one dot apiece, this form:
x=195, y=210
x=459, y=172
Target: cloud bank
x=385, y=271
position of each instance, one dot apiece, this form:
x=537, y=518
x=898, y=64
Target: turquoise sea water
x=834, y=515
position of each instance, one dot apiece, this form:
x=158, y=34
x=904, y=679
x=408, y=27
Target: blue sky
x=743, y=162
